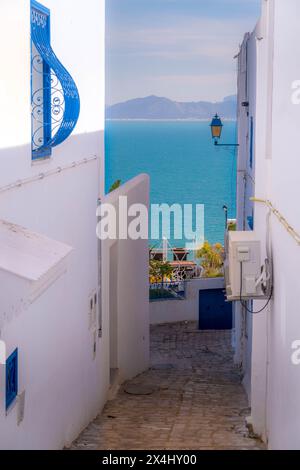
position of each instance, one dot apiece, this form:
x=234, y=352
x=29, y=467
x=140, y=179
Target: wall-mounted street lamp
x=225, y=209
x=216, y=132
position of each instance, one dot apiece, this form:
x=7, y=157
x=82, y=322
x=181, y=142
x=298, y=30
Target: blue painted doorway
x=214, y=312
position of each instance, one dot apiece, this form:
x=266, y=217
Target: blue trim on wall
x=251, y=141
x=250, y=220
x=11, y=377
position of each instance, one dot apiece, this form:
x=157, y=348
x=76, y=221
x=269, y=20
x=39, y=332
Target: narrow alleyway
x=193, y=398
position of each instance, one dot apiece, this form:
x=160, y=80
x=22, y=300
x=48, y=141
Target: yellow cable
x=279, y=216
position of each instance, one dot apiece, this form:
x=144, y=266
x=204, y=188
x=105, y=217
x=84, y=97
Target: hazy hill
x=154, y=107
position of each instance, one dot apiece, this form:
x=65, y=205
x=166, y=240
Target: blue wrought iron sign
x=54, y=94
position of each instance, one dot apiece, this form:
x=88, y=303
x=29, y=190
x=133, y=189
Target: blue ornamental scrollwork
x=55, y=98
x=38, y=18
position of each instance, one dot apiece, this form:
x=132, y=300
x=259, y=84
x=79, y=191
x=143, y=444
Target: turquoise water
x=183, y=164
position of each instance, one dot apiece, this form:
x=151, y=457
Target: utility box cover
x=243, y=264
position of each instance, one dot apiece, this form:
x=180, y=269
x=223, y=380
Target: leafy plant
x=232, y=226
x=212, y=259
x=159, y=271
x=115, y=185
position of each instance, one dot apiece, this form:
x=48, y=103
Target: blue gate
x=214, y=312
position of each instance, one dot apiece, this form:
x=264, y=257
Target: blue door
x=214, y=312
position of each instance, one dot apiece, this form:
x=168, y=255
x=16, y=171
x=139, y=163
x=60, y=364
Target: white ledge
x=27, y=254
x=125, y=188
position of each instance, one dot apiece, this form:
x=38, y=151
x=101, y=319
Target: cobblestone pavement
x=197, y=402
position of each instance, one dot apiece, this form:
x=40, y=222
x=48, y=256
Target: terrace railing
x=167, y=291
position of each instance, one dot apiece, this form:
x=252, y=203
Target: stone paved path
x=198, y=401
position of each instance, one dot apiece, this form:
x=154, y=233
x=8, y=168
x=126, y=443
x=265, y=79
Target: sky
x=179, y=49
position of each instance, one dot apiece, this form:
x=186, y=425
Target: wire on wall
x=244, y=304
x=46, y=174
x=295, y=235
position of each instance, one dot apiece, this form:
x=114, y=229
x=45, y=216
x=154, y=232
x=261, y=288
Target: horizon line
x=169, y=120
x=173, y=100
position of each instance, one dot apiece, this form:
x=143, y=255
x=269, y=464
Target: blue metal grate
x=55, y=97
x=11, y=378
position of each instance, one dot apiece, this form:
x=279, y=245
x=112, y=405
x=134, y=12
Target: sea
x=184, y=165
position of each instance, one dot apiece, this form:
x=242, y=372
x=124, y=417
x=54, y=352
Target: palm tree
x=212, y=259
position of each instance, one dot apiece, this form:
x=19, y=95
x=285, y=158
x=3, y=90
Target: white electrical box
x=244, y=268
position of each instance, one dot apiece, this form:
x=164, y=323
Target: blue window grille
x=11, y=378
x=251, y=142
x=54, y=95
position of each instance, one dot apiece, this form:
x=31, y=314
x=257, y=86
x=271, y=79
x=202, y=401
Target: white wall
x=82, y=27
x=65, y=386
x=132, y=289
x=77, y=38
x=15, y=73
x=171, y=311
x=275, y=381
x=283, y=413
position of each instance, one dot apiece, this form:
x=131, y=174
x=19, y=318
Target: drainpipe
x=244, y=203
x=99, y=296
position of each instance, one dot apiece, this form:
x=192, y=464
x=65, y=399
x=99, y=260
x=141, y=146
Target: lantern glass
x=216, y=127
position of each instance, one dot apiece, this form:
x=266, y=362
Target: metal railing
x=167, y=291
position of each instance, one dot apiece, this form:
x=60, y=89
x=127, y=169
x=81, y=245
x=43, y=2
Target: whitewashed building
x=69, y=317
x=267, y=344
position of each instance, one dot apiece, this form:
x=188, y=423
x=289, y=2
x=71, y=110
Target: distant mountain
x=154, y=107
